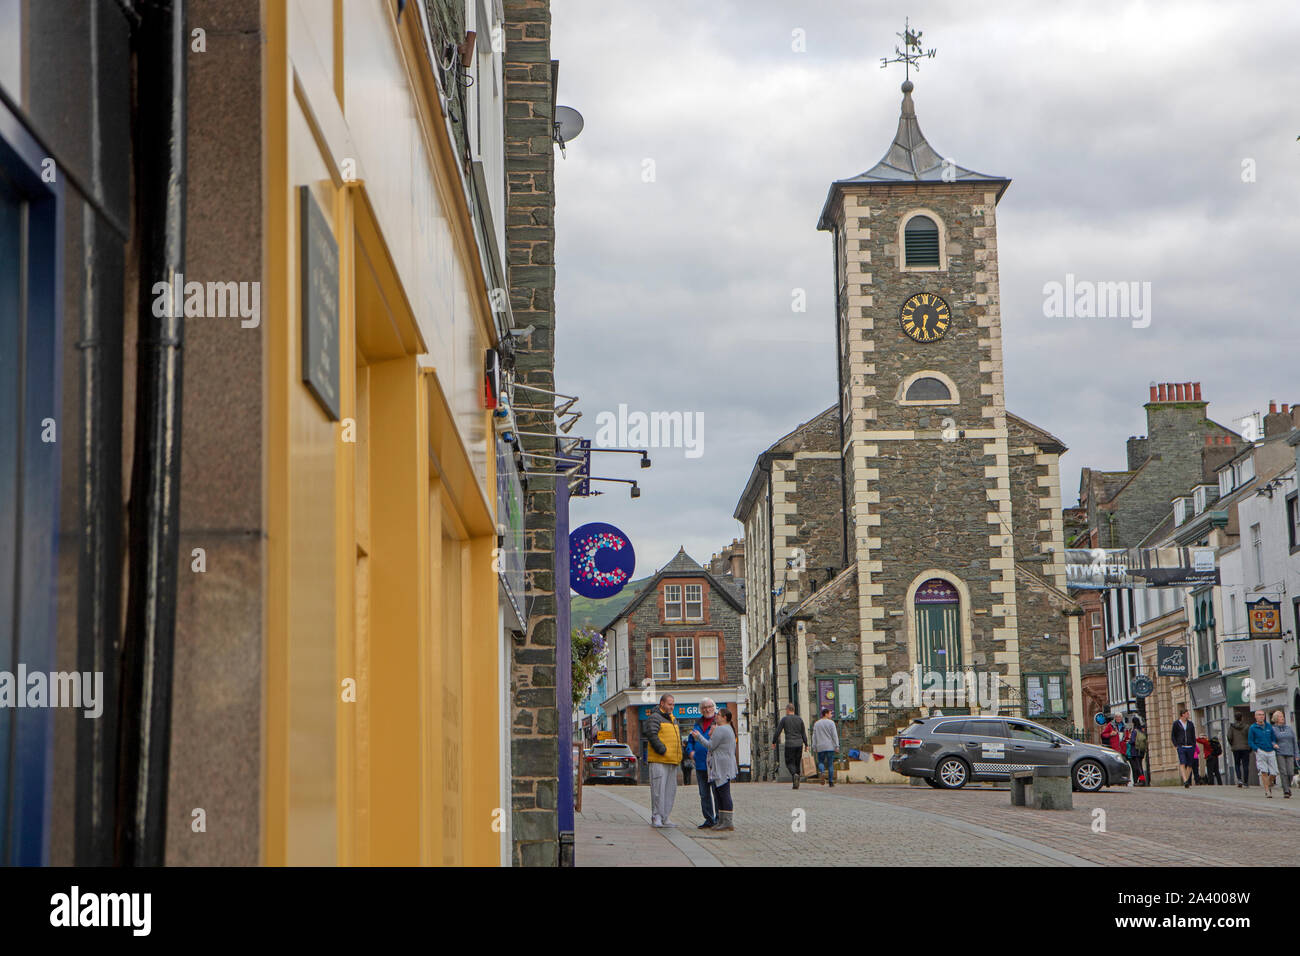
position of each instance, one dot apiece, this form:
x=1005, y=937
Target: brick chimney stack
x=1277, y=422
x=1175, y=392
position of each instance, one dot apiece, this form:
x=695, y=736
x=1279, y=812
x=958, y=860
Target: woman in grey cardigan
x=1285, y=746
x=721, y=764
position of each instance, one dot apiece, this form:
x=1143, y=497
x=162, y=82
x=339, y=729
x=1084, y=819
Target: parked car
x=609, y=761
x=949, y=752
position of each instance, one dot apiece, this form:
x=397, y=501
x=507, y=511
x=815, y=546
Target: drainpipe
x=160, y=43
x=99, y=571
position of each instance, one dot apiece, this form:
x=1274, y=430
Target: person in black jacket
x=1183, y=737
x=796, y=738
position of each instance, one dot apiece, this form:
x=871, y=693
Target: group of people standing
x=1129, y=740
x=1272, y=742
x=710, y=747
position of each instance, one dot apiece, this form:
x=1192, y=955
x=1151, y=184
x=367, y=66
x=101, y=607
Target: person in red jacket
x=1113, y=735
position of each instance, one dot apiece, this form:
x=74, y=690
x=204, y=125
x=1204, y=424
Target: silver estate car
x=949, y=752
x=609, y=761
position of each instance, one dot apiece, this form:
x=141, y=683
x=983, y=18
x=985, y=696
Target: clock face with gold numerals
x=925, y=317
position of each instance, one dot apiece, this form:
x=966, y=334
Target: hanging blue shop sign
x=601, y=560
x=508, y=560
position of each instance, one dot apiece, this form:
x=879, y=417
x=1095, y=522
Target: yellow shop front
x=383, y=730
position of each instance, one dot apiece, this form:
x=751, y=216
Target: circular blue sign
x=601, y=560
x=1099, y=718
x=1142, y=686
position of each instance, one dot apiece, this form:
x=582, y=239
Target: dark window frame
x=25, y=798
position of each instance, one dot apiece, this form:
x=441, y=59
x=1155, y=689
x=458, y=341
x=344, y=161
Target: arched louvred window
x=928, y=390
x=921, y=242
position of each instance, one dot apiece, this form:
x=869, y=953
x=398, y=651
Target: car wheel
x=1089, y=776
x=931, y=782
x=951, y=774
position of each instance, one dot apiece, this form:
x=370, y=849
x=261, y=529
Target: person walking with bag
x=796, y=738
x=721, y=766
x=1240, y=747
x=1213, y=751
x=825, y=744
x=1285, y=746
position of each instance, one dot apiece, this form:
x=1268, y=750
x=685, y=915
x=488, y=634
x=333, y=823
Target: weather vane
x=910, y=53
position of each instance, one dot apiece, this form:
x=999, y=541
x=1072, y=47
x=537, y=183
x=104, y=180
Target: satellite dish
x=568, y=124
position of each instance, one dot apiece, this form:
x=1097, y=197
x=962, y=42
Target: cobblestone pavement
x=875, y=825
x=837, y=831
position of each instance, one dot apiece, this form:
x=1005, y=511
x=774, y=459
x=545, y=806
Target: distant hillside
x=596, y=612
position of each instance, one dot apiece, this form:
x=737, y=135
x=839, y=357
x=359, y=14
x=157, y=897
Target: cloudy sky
x=1127, y=130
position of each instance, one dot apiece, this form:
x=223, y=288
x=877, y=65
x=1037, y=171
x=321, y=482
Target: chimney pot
x=1286, y=409
x=1272, y=407
x=1196, y=386
x=1153, y=393
x=1163, y=386
x=1209, y=440
x=1181, y=391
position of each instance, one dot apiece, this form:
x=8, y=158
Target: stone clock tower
x=926, y=454
x=915, y=526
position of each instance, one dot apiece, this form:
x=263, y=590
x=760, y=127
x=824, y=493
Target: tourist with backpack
x=1136, y=752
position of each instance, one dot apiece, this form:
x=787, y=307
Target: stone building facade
x=530, y=76
x=916, y=524
x=1121, y=507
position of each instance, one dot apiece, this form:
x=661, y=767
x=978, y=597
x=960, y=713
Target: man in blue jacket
x=1263, y=740
x=699, y=751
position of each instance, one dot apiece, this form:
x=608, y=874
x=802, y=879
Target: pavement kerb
x=693, y=851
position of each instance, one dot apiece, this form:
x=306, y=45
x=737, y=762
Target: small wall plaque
x=320, y=304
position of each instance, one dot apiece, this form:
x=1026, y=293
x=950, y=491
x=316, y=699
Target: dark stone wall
x=1176, y=434
x=530, y=242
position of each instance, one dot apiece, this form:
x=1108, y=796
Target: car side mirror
x=1056, y=743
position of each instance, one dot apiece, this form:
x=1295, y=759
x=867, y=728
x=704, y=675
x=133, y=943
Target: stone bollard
x=1053, y=789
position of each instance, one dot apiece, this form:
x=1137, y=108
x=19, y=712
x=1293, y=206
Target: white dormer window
x=1225, y=482
x=1198, y=499
x=1180, y=511
x=1247, y=470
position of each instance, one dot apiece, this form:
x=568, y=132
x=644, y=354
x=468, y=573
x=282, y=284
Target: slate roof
x=782, y=447
x=1045, y=439
x=911, y=159
x=682, y=565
